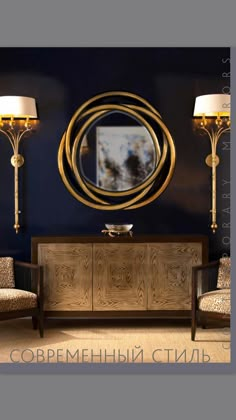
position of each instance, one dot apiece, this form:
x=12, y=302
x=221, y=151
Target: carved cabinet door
x=67, y=276
x=120, y=277
x=170, y=274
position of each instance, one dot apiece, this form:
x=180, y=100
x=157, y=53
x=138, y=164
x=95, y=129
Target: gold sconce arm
x=213, y=161
x=15, y=114
x=215, y=121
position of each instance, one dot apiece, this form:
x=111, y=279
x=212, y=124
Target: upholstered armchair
x=211, y=300
x=21, y=291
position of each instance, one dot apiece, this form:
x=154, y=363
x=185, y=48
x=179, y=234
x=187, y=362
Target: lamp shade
x=18, y=107
x=212, y=105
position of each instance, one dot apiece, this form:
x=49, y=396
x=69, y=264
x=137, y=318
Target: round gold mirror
x=116, y=152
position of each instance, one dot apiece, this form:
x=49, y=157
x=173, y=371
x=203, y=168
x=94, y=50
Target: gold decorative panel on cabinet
x=119, y=277
x=170, y=272
x=67, y=276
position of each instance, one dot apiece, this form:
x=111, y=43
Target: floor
x=112, y=341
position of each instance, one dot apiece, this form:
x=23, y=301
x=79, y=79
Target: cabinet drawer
x=170, y=274
x=67, y=276
x=120, y=277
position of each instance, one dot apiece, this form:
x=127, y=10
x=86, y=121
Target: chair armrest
x=205, y=266
x=26, y=264
x=207, y=283
x=29, y=277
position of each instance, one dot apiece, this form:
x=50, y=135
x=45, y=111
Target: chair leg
x=203, y=321
x=35, y=322
x=193, y=326
x=41, y=324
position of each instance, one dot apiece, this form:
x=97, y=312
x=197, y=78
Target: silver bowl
x=118, y=228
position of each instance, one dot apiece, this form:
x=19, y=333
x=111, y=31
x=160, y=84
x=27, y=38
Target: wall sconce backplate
x=17, y=161
x=209, y=160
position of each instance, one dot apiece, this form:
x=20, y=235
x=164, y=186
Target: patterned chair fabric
x=21, y=291
x=215, y=301
x=16, y=300
x=6, y=273
x=212, y=304
x=223, y=280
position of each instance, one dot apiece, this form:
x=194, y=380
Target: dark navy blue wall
x=61, y=79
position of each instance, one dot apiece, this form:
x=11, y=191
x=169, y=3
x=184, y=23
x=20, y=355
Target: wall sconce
x=214, y=113
x=15, y=115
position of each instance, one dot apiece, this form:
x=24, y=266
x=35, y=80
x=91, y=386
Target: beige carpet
x=81, y=341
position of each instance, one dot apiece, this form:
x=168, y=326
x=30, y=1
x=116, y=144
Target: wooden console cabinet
x=124, y=276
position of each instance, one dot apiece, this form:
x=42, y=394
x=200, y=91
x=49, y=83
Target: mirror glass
x=117, y=153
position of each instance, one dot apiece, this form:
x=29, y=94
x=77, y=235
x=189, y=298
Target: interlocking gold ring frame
x=91, y=111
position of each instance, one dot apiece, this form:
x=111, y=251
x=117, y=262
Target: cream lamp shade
x=18, y=107
x=216, y=105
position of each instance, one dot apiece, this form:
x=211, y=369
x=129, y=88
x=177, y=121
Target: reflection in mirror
x=117, y=157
